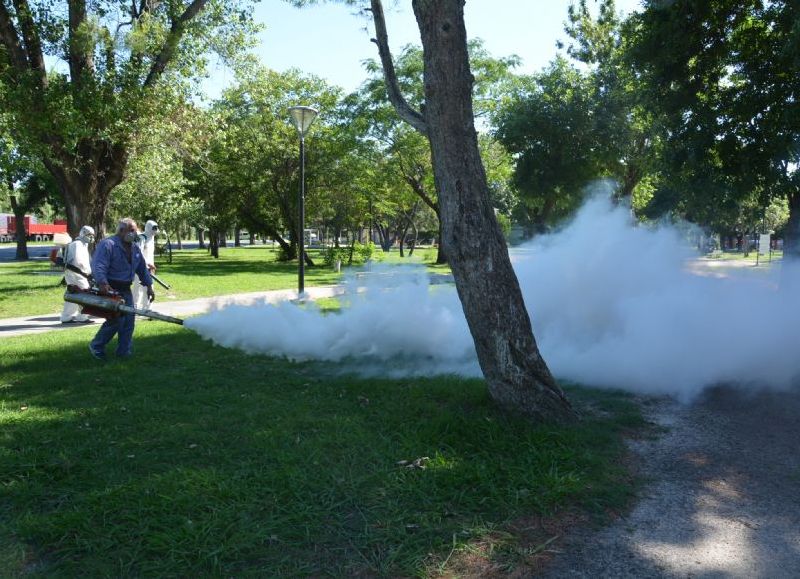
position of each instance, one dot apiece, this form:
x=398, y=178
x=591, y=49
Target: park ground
x=192, y=458
x=195, y=459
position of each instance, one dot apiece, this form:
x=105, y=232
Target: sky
x=331, y=41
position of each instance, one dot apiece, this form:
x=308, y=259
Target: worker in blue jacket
x=116, y=261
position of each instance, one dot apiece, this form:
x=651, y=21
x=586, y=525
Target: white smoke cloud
x=612, y=305
x=393, y=323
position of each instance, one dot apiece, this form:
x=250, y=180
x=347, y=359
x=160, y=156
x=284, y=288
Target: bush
x=358, y=253
x=364, y=251
x=333, y=254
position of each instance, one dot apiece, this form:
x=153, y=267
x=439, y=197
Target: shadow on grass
x=196, y=459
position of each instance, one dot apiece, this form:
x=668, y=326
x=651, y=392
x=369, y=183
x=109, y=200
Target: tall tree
x=155, y=186
x=259, y=146
x=724, y=76
x=518, y=377
x=574, y=123
x=117, y=55
x=549, y=125
x=625, y=131
x=410, y=151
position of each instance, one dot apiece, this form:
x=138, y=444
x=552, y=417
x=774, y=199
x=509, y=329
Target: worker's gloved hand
x=105, y=288
x=151, y=295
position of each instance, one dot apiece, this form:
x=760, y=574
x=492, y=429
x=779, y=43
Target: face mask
x=129, y=237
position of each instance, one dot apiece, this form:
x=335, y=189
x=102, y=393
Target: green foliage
x=364, y=251
x=86, y=74
x=248, y=170
x=333, y=254
x=722, y=76
x=549, y=127
x=357, y=253
x=155, y=186
x=505, y=224
x=406, y=154
x=214, y=462
x=568, y=126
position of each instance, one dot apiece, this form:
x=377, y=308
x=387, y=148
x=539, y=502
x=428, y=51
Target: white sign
x=763, y=244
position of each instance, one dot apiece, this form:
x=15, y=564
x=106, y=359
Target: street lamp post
x=302, y=117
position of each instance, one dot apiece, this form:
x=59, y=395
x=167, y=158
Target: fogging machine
x=109, y=306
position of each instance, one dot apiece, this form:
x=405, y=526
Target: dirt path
x=723, y=497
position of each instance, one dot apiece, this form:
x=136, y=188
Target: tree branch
x=9, y=37
x=33, y=46
x=415, y=182
x=400, y=104
x=171, y=43
x=80, y=56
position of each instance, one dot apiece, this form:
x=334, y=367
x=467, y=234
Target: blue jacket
x=110, y=262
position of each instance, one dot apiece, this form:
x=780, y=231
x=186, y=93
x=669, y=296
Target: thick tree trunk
x=200, y=241
x=413, y=243
x=213, y=243
x=791, y=241
x=517, y=375
x=20, y=233
x=86, y=181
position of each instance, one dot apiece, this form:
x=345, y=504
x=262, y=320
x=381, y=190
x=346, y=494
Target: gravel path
x=722, y=497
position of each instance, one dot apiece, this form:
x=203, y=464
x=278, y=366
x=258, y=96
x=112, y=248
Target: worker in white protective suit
x=147, y=243
x=78, y=268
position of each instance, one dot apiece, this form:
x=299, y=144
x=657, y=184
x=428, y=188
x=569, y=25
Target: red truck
x=35, y=231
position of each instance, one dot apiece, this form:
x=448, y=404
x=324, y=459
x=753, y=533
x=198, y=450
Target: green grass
x=192, y=274
x=751, y=257
x=192, y=459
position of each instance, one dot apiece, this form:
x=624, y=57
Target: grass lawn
x=192, y=459
x=751, y=257
x=193, y=273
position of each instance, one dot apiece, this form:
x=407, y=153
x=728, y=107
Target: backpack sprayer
x=110, y=305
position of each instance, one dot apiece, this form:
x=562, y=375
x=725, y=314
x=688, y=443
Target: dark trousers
x=122, y=325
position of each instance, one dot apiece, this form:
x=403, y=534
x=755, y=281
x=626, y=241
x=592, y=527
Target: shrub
x=358, y=253
x=364, y=251
x=332, y=254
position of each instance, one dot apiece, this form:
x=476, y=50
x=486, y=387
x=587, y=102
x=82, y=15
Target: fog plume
x=612, y=305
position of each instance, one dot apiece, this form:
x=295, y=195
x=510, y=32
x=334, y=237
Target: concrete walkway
x=11, y=327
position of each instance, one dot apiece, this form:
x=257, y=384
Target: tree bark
x=86, y=182
x=213, y=243
x=791, y=241
x=20, y=233
x=518, y=377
